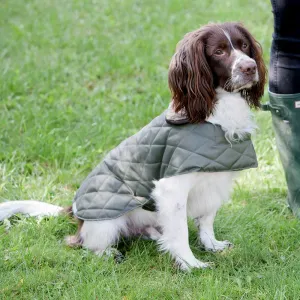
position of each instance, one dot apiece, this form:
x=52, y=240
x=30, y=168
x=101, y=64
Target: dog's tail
x=30, y=208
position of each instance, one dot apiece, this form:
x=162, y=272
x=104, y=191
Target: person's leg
x=284, y=92
x=285, y=51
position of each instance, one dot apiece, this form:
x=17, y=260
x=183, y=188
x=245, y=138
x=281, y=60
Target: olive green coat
x=123, y=181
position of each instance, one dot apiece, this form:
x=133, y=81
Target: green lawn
x=77, y=77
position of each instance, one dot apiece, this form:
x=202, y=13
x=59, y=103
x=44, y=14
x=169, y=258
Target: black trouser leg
x=284, y=84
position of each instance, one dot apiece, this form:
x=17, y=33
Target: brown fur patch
x=67, y=211
x=73, y=240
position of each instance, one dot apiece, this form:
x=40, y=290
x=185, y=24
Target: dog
x=215, y=76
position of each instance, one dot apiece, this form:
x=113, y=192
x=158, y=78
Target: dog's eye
x=244, y=46
x=219, y=52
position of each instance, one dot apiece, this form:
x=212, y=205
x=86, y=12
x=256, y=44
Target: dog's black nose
x=248, y=67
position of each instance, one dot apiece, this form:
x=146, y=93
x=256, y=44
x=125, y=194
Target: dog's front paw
x=187, y=266
x=218, y=246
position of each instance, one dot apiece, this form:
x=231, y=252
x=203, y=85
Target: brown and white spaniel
x=216, y=74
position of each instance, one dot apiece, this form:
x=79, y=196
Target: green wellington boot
x=285, y=111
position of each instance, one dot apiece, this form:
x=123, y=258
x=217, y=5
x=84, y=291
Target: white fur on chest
x=233, y=114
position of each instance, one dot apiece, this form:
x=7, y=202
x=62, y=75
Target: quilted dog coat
x=123, y=181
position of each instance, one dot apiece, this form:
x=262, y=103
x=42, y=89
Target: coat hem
x=147, y=200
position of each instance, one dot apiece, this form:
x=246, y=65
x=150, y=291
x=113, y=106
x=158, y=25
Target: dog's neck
x=233, y=114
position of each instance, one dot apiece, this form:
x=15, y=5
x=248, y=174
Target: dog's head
x=216, y=55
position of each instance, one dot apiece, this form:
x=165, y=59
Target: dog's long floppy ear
x=191, y=79
x=254, y=94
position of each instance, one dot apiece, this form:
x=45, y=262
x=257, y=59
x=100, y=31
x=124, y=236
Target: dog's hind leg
x=152, y=233
x=100, y=236
x=143, y=222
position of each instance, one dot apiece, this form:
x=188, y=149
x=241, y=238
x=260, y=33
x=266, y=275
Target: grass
x=77, y=77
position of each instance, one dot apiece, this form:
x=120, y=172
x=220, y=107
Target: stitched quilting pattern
x=123, y=181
